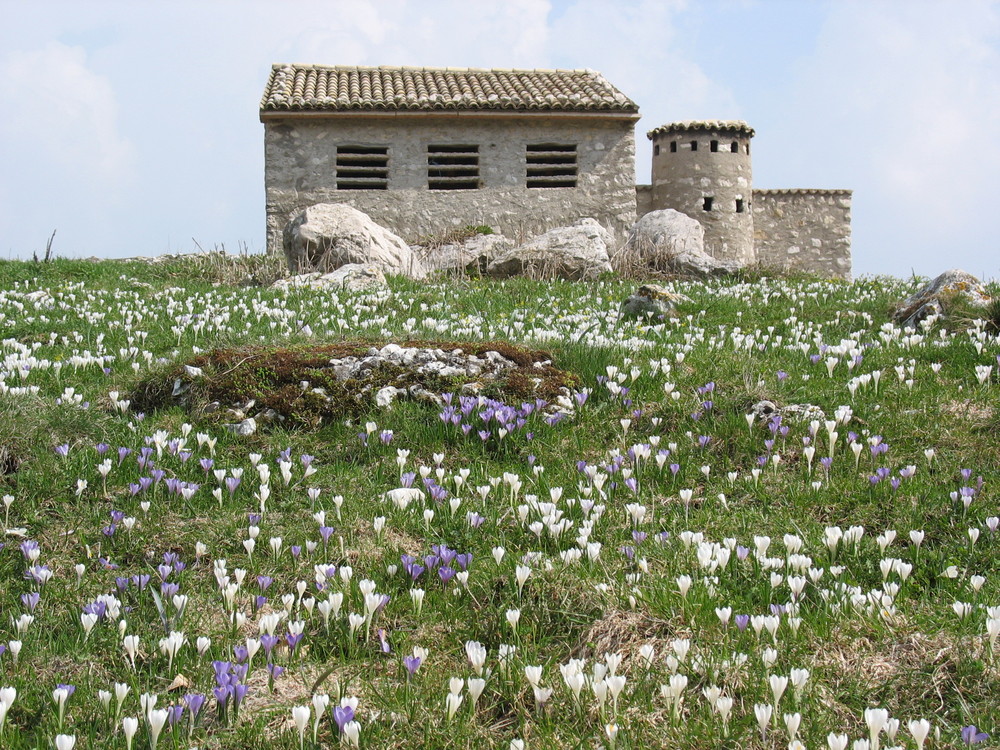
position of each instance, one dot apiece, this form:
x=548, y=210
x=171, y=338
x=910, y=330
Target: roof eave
x=269, y=115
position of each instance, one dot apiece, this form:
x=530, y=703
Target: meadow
x=629, y=557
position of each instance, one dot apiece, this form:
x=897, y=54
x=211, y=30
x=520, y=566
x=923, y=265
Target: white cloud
x=61, y=115
x=65, y=163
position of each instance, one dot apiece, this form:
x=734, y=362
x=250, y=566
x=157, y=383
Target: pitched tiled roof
x=316, y=88
x=737, y=127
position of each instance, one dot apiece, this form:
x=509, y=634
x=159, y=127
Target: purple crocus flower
x=412, y=664
x=972, y=736
x=62, y=450
x=742, y=621
x=194, y=703
x=174, y=713
x=268, y=642
x=239, y=693
x=343, y=715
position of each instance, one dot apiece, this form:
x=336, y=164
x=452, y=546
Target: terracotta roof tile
x=717, y=126
x=317, y=88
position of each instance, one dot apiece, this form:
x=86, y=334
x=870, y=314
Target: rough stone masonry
x=424, y=151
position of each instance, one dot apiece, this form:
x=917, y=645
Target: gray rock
x=668, y=240
x=650, y=301
x=763, y=409
x=472, y=256
x=327, y=236
x=353, y=277
x=580, y=251
x=934, y=296
x=384, y=397
x=802, y=413
x=245, y=428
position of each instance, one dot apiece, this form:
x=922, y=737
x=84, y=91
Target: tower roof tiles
x=736, y=127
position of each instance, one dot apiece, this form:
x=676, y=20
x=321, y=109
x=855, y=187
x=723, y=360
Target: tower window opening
x=739, y=205
x=673, y=147
x=707, y=202
x=656, y=150
x=694, y=145
x=714, y=146
x=748, y=149
x=734, y=147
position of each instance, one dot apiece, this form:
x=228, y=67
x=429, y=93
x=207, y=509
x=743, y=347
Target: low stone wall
x=415, y=214
x=804, y=230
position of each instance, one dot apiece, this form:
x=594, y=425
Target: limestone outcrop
x=472, y=255
x=326, y=236
x=354, y=277
x=667, y=240
x=934, y=297
x=577, y=252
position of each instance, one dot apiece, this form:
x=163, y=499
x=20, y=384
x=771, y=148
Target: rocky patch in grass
x=248, y=387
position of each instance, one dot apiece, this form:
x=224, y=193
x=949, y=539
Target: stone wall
x=804, y=230
x=300, y=170
x=643, y=200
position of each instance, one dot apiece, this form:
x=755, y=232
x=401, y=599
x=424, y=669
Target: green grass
x=604, y=584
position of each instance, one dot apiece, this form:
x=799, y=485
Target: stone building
x=425, y=150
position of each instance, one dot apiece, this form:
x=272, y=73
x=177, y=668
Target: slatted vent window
x=362, y=167
x=452, y=167
x=551, y=165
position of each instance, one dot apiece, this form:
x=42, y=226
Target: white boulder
x=326, y=236
x=580, y=251
x=670, y=241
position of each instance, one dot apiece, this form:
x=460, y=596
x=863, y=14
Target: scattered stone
x=934, y=297
x=763, y=409
x=802, y=413
x=650, y=300
x=353, y=277
x=471, y=256
x=327, y=236
x=244, y=429
x=385, y=396
x=577, y=252
x=670, y=241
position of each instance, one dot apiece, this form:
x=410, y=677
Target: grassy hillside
x=633, y=562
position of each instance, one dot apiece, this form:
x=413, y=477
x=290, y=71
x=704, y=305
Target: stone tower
x=703, y=169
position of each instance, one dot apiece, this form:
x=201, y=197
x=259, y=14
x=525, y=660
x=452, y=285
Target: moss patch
x=272, y=378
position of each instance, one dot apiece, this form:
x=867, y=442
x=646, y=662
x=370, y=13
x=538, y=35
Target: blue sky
x=131, y=127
